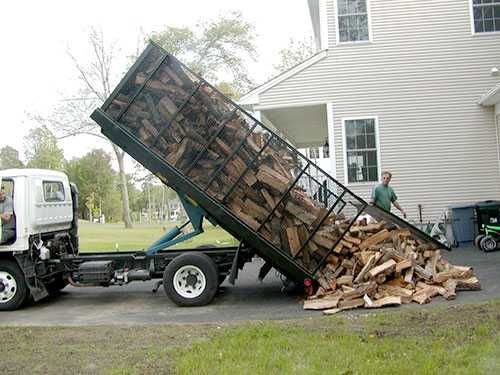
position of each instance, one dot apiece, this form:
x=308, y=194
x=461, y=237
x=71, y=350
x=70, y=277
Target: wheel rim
x=489, y=244
x=8, y=287
x=189, y=281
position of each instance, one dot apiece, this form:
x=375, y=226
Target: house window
x=361, y=150
x=314, y=153
x=53, y=191
x=486, y=15
x=352, y=20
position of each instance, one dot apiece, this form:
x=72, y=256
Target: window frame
x=358, y=42
x=314, y=152
x=53, y=182
x=344, y=149
x=472, y=23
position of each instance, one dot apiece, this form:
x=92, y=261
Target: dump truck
x=226, y=166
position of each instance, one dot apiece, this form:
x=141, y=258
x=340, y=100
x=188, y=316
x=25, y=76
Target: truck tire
x=13, y=289
x=191, y=279
x=488, y=243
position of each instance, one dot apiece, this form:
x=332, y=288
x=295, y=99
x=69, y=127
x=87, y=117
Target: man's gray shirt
x=6, y=206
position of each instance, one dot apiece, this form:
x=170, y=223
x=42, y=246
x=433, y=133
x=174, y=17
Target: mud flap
x=36, y=287
x=264, y=270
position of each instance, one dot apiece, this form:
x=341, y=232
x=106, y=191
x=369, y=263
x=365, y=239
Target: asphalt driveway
x=249, y=299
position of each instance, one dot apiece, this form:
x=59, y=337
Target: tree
x=42, y=150
x=9, y=158
x=96, y=181
x=293, y=54
x=228, y=89
x=71, y=118
x=214, y=49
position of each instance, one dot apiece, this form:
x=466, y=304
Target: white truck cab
x=44, y=217
x=42, y=204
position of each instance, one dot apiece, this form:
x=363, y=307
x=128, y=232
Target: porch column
x=331, y=138
x=256, y=114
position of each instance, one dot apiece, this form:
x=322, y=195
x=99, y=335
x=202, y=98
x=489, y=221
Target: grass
x=445, y=340
x=459, y=339
x=109, y=237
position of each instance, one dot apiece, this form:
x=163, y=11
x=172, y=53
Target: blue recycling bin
x=463, y=223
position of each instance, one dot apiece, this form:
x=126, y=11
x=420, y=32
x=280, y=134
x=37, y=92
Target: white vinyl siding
x=360, y=150
x=352, y=20
x=423, y=76
x=486, y=16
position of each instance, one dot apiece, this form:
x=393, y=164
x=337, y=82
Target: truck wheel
x=13, y=289
x=488, y=243
x=191, y=279
x=477, y=240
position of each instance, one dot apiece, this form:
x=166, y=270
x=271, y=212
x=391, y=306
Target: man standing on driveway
x=7, y=217
x=383, y=195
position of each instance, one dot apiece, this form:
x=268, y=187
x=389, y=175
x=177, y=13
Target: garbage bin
x=462, y=223
x=487, y=213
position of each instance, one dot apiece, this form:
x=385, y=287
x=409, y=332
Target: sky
x=35, y=36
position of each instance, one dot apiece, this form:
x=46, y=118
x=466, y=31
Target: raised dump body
x=247, y=178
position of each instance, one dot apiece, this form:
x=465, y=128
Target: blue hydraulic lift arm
x=174, y=236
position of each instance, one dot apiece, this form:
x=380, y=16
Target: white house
x=409, y=86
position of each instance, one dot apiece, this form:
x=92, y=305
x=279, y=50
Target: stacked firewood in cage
x=271, y=188
x=253, y=172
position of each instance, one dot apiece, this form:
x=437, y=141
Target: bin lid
x=462, y=205
x=488, y=204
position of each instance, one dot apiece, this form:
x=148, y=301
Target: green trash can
x=487, y=213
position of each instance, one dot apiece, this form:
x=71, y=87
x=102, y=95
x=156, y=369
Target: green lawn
x=109, y=237
x=445, y=339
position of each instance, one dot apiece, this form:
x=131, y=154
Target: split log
x=272, y=179
x=326, y=302
x=468, y=284
x=299, y=212
x=450, y=287
x=344, y=280
x=369, y=264
x=351, y=304
x=375, y=239
x=383, y=268
x=402, y=265
x=386, y=301
x=293, y=240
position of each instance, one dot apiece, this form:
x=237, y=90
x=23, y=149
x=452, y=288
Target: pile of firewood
x=272, y=189
x=386, y=267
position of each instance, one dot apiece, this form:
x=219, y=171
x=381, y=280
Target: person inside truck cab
x=7, y=217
